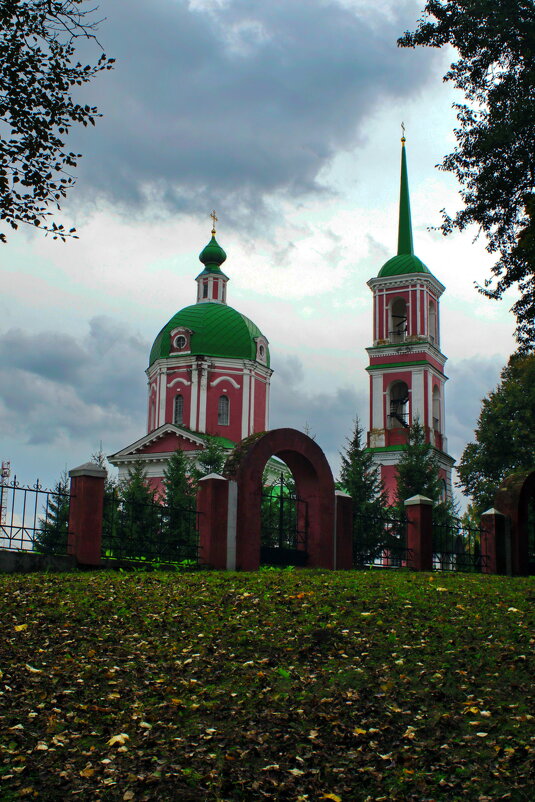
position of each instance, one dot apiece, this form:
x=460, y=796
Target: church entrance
x=284, y=524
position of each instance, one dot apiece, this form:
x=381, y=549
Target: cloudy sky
x=284, y=117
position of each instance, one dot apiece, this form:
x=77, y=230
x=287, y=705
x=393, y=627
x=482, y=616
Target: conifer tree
x=51, y=538
x=139, y=516
x=210, y=460
x=179, y=531
x=359, y=475
x=417, y=474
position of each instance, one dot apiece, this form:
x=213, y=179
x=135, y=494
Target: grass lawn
x=283, y=685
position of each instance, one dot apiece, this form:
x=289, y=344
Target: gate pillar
x=85, y=513
x=495, y=545
x=216, y=505
x=419, y=511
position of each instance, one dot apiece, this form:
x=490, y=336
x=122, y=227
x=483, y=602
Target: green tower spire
x=405, y=245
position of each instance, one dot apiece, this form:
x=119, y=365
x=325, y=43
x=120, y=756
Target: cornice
x=407, y=279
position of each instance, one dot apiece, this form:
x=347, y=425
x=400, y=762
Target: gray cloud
x=227, y=103
x=470, y=381
x=328, y=416
x=58, y=388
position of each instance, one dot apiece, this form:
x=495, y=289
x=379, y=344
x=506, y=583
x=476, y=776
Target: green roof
x=401, y=264
x=212, y=256
x=218, y=330
x=405, y=261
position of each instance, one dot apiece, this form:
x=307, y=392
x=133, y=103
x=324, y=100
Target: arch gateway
x=230, y=505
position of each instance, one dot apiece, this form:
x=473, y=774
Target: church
x=208, y=376
x=209, y=367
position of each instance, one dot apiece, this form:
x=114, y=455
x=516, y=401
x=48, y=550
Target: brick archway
x=314, y=484
x=512, y=499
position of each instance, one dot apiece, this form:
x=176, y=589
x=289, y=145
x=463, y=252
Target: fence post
x=212, y=506
x=494, y=546
x=343, y=531
x=85, y=513
x=419, y=510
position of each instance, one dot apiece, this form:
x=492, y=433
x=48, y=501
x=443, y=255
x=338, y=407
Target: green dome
x=401, y=264
x=213, y=255
x=218, y=330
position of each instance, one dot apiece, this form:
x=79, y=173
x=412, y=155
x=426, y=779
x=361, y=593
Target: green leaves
x=37, y=109
x=495, y=45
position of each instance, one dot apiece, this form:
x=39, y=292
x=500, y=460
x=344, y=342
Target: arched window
x=178, y=412
x=432, y=322
x=436, y=409
x=398, y=320
x=223, y=410
x=399, y=406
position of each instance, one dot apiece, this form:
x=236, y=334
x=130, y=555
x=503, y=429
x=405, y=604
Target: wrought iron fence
x=380, y=540
x=284, y=525
x=457, y=547
x=149, y=532
x=33, y=518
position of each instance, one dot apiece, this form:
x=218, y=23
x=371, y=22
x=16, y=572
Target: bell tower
x=406, y=367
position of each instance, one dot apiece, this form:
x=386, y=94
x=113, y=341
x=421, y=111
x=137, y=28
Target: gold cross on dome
x=214, y=220
x=403, y=132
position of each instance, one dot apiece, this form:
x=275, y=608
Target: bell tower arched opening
x=399, y=406
x=398, y=320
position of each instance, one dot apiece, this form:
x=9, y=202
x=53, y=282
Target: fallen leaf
x=21, y=627
x=118, y=739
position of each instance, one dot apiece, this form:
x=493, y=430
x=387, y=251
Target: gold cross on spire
x=403, y=132
x=214, y=220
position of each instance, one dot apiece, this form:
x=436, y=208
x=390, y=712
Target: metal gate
x=284, y=525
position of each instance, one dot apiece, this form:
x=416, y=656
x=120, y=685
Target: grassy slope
x=276, y=685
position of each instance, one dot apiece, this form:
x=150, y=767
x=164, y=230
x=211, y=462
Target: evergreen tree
x=210, y=460
x=373, y=532
x=139, y=520
x=51, y=537
x=417, y=470
x=111, y=505
x=360, y=477
x=179, y=530
x=417, y=474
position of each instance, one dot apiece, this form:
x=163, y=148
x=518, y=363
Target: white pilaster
x=162, y=396
x=194, y=398
x=417, y=396
x=377, y=421
x=203, y=384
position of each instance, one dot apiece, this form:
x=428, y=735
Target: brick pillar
x=85, y=513
x=494, y=545
x=419, y=510
x=212, y=506
x=343, y=531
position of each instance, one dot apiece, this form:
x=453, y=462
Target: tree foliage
x=417, y=474
x=38, y=72
x=417, y=469
x=495, y=154
x=51, y=537
x=210, y=460
x=179, y=524
x=505, y=433
x=359, y=475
